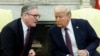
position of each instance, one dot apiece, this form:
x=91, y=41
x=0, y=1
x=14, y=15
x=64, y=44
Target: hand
x=82, y=53
x=31, y=53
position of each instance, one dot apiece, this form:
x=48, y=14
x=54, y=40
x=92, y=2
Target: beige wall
x=46, y=6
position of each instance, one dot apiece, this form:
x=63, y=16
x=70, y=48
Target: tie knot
x=28, y=29
x=65, y=28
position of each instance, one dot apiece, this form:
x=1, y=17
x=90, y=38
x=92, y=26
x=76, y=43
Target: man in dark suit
x=82, y=38
x=13, y=36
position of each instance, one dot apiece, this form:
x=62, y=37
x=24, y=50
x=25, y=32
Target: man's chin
x=59, y=26
x=34, y=25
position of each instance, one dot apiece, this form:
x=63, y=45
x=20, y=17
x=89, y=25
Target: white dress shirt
x=24, y=30
x=72, y=38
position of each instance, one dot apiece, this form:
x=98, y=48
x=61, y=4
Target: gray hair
x=27, y=8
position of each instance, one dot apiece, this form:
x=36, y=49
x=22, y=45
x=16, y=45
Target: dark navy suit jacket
x=85, y=37
x=12, y=40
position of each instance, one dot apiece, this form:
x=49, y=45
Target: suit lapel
x=60, y=40
x=76, y=29
x=21, y=31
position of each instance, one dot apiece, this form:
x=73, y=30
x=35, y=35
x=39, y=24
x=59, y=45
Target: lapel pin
x=77, y=27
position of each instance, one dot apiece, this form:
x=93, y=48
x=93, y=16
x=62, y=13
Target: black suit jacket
x=12, y=40
x=85, y=37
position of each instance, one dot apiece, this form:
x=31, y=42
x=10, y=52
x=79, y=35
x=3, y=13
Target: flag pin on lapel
x=77, y=27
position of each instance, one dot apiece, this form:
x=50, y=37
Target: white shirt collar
x=69, y=26
x=24, y=26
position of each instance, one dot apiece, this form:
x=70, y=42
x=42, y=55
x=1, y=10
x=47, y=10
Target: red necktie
x=27, y=41
x=68, y=42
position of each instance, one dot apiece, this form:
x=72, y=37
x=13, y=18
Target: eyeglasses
x=35, y=16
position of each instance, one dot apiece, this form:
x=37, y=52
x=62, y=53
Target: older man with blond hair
x=72, y=37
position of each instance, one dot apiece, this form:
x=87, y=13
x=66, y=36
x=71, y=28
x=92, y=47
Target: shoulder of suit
x=54, y=28
x=78, y=20
x=13, y=23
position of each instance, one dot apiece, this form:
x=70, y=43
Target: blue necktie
x=68, y=42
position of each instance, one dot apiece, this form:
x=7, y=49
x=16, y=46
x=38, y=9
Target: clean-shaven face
x=31, y=17
x=62, y=19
